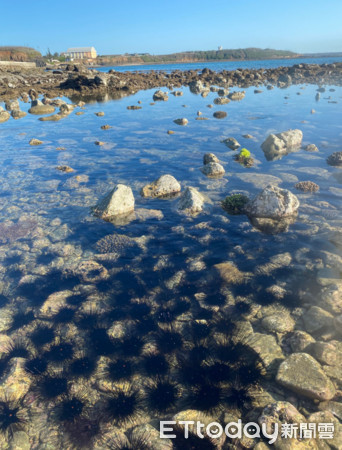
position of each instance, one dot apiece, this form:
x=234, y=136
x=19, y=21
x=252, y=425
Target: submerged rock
x=213, y=169
x=335, y=159
x=160, y=96
x=119, y=201
x=280, y=144
x=302, y=374
x=307, y=186
x=115, y=243
x=191, y=201
x=273, y=203
x=164, y=186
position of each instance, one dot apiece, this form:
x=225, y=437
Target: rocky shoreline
x=76, y=80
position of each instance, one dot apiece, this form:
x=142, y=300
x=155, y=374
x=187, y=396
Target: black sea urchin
x=123, y=406
x=161, y=395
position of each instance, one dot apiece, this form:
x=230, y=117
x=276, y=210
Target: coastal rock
x=119, y=201
x=65, y=169
x=220, y=114
x=280, y=144
x=196, y=87
x=4, y=116
x=191, y=201
x=101, y=80
x=66, y=109
x=335, y=159
x=38, y=108
x=35, y=141
x=164, y=186
x=329, y=353
x=160, y=96
x=268, y=350
x=237, y=95
x=11, y=105
x=311, y=148
x=99, y=114
x=273, y=203
x=302, y=374
x=213, y=169
x=18, y=114
x=221, y=101
x=232, y=143
x=182, y=121
x=210, y=157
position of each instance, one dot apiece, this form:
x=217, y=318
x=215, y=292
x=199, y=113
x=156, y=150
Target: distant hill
x=194, y=56
x=11, y=53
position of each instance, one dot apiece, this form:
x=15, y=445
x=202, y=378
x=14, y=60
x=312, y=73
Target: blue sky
x=163, y=26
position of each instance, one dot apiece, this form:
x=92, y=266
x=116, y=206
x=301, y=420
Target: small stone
x=134, y=107
x=213, y=169
x=18, y=114
x=170, y=132
x=164, y=186
x=313, y=111
x=105, y=127
x=100, y=114
x=79, y=113
x=248, y=136
x=299, y=341
x=302, y=374
x=232, y=143
x=4, y=116
x=258, y=91
x=329, y=353
x=99, y=143
x=307, y=186
x=35, y=142
x=191, y=201
x=199, y=113
x=65, y=169
x=119, y=201
x=220, y=114
x=210, y=106
x=182, y=121
x=268, y=350
x=311, y=148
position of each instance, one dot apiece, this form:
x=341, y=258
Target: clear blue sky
x=118, y=26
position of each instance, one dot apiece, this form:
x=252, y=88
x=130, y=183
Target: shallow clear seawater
x=49, y=235
x=224, y=65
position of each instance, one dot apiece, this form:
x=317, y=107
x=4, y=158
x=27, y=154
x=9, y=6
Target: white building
x=80, y=53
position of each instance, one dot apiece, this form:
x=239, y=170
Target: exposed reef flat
x=78, y=80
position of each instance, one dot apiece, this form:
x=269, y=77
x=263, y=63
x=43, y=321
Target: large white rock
x=191, y=201
x=119, y=201
x=273, y=203
x=163, y=186
x=282, y=143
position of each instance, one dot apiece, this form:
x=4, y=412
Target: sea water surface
x=146, y=309
x=224, y=65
